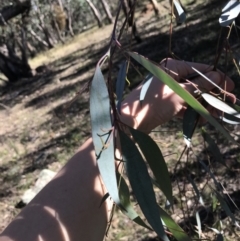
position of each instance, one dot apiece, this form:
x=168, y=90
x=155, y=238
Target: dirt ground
x=39, y=129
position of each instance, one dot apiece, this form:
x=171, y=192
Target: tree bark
x=95, y=13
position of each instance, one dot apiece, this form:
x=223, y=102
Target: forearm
x=68, y=207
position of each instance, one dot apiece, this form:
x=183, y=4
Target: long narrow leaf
x=181, y=16
x=230, y=12
x=171, y=83
x=155, y=160
x=120, y=85
x=174, y=228
x=196, y=190
x=126, y=203
x=218, y=186
x=230, y=119
x=101, y=133
x=141, y=184
x=145, y=86
x=226, y=208
x=199, y=225
x=189, y=119
x=220, y=105
x=212, y=147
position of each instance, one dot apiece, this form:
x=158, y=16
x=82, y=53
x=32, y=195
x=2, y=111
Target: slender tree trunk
x=55, y=24
x=38, y=38
x=95, y=13
x=127, y=6
x=107, y=11
x=48, y=37
x=69, y=20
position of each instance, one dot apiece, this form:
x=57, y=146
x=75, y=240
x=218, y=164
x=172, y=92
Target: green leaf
x=230, y=119
x=156, y=161
x=104, y=198
x=179, y=12
x=217, y=184
x=219, y=237
x=220, y=105
x=171, y=83
x=174, y=228
x=145, y=86
x=141, y=184
x=226, y=208
x=230, y=12
x=126, y=203
x=212, y=147
x=199, y=225
x=189, y=120
x=120, y=85
x=196, y=190
x=102, y=133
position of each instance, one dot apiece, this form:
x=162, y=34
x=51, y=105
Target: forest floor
x=40, y=129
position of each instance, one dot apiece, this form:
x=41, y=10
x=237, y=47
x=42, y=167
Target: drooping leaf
x=171, y=83
x=219, y=237
x=179, y=12
x=230, y=119
x=199, y=225
x=189, y=120
x=101, y=133
x=214, y=230
x=141, y=184
x=220, y=105
x=230, y=12
x=145, y=86
x=212, y=147
x=196, y=190
x=120, y=85
x=226, y=208
x=104, y=198
x=156, y=161
x=218, y=186
x=173, y=227
x=126, y=203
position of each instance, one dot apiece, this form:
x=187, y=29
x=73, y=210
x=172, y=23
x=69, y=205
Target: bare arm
x=68, y=207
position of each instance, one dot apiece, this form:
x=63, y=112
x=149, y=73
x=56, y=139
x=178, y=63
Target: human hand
x=161, y=103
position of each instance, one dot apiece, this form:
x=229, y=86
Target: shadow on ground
x=195, y=41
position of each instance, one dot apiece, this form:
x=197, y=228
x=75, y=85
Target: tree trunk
x=42, y=27
x=69, y=20
x=54, y=15
x=95, y=13
x=38, y=38
x=127, y=6
x=107, y=11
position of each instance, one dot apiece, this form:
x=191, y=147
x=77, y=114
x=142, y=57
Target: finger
x=205, y=85
x=182, y=69
x=178, y=69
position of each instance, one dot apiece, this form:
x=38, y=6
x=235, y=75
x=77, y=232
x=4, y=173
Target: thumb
x=203, y=84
